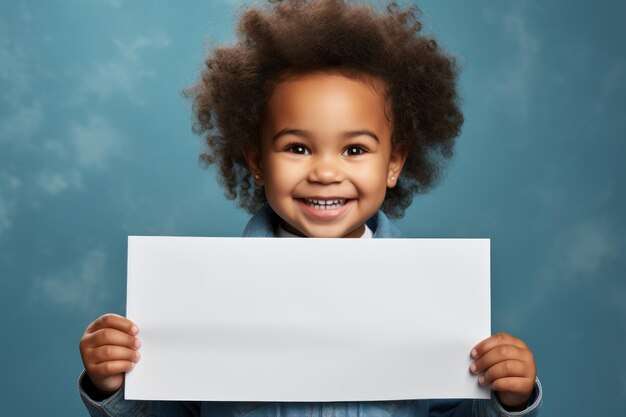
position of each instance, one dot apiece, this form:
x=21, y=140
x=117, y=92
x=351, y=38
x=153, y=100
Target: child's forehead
x=323, y=75
x=313, y=97
x=326, y=100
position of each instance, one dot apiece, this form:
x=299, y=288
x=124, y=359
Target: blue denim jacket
x=263, y=224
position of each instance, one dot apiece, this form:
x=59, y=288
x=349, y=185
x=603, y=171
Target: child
x=324, y=117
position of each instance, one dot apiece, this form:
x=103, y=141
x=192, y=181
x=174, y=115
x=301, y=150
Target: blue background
x=95, y=145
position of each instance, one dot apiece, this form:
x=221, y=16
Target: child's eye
x=297, y=148
x=354, y=150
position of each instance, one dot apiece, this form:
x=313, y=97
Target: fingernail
x=137, y=356
x=473, y=367
x=481, y=380
x=474, y=353
x=134, y=330
x=137, y=343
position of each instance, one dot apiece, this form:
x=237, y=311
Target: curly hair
x=300, y=36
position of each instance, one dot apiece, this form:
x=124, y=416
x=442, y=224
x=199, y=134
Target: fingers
x=501, y=354
x=109, y=353
x=109, y=349
x=110, y=329
x=506, y=369
x=496, y=340
x=104, y=370
x=108, y=361
x=507, y=365
x=514, y=385
x=113, y=321
x=114, y=337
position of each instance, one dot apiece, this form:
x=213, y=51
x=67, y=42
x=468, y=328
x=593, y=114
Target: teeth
x=325, y=204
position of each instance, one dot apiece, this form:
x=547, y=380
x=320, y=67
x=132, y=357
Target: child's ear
x=252, y=155
x=396, y=162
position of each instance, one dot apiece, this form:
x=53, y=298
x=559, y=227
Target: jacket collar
x=265, y=221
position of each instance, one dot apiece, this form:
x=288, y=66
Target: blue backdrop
x=95, y=144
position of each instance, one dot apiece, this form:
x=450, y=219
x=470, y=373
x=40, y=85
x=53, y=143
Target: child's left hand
x=509, y=368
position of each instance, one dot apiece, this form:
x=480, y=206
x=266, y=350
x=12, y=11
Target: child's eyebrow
x=306, y=134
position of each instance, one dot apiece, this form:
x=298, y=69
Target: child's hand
x=509, y=368
x=108, y=349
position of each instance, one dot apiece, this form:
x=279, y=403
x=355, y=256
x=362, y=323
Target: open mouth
x=325, y=204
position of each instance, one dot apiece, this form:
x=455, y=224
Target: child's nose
x=325, y=170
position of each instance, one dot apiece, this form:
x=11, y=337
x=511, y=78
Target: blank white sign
x=269, y=319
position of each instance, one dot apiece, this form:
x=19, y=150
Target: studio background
x=96, y=145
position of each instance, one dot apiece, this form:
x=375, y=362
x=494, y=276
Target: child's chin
x=322, y=233
x=334, y=233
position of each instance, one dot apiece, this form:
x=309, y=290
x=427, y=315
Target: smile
x=330, y=204
x=325, y=209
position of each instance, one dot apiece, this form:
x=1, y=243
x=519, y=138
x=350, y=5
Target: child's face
x=326, y=155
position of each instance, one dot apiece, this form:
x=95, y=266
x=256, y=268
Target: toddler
x=325, y=118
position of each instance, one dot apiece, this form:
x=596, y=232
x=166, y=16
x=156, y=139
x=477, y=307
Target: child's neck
x=286, y=230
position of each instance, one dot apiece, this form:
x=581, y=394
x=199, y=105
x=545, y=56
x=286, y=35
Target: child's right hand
x=109, y=349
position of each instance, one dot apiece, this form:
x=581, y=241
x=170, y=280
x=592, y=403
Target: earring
x=257, y=176
x=393, y=178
